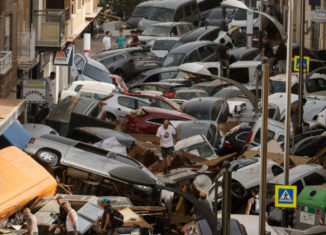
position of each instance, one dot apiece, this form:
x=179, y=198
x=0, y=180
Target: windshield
x=191, y=95
x=177, y=44
x=163, y=45
x=160, y=14
x=242, y=15
x=140, y=11
x=97, y=74
x=202, y=149
x=243, y=162
x=180, y=75
x=136, y=80
x=157, y=31
x=228, y=93
x=173, y=60
x=277, y=86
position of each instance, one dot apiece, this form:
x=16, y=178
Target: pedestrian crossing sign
x=286, y=196
x=306, y=62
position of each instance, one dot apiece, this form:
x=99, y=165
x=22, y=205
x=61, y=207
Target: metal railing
x=5, y=61
x=67, y=10
x=26, y=45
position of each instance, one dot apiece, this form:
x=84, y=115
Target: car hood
x=146, y=38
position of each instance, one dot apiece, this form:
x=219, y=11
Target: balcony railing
x=26, y=46
x=67, y=16
x=49, y=28
x=5, y=61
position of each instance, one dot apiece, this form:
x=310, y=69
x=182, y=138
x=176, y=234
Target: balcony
x=26, y=49
x=5, y=61
x=49, y=29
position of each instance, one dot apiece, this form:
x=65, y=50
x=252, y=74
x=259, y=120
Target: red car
x=148, y=119
x=119, y=83
x=157, y=101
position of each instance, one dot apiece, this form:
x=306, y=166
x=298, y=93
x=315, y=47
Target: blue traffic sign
x=306, y=62
x=285, y=196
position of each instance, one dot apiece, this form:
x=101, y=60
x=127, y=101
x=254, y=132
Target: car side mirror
x=79, y=71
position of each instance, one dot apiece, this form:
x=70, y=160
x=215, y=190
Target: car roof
x=209, y=84
x=147, y=3
x=163, y=84
x=169, y=24
x=195, y=34
x=247, y=64
x=162, y=112
x=185, y=48
x=190, y=91
x=99, y=86
x=160, y=70
x=201, y=104
x=94, y=62
x=295, y=173
x=171, y=3
x=103, y=133
x=105, y=54
x=237, y=52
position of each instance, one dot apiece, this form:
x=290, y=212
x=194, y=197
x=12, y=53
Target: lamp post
x=137, y=176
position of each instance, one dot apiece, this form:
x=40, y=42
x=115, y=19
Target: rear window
x=140, y=53
x=97, y=74
x=177, y=88
x=139, y=113
x=243, y=162
x=240, y=75
x=191, y=95
x=163, y=45
x=270, y=136
x=228, y=93
x=140, y=11
x=277, y=87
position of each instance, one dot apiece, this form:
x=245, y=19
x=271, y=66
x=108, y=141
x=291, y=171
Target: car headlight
x=151, y=42
x=135, y=232
x=140, y=24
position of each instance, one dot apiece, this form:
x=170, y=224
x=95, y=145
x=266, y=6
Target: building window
x=7, y=34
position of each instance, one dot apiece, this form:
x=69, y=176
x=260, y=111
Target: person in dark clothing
x=281, y=57
x=268, y=52
x=62, y=213
x=134, y=39
x=106, y=226
x=223, y=51
x=295, y=116
x=205, y=203
x=253, y=203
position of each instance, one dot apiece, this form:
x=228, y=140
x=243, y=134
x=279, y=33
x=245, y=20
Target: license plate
x=150, y=64
x=307, y=218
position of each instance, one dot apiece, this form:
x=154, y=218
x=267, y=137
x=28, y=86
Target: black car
x=167, y=89
x=209, y=129
x=153, y=75
x=214, y=18
x=187, y=82
x=210, y=87
x=207, y=108
x=235, y=139
x=243, y=54
x=97, y=134
x=209, y=33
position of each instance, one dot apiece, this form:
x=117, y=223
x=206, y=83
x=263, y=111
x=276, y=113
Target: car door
x=181, y=30
x=79, y=63
x=125, y=105
x=193, y=57
x=108, y=61
x=142, y=103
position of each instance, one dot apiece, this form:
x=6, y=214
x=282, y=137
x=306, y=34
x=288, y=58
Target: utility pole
x=301, y=79
x=263, y=150
x=288, y=106
x=261, y=34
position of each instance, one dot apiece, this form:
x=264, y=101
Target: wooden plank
x=141, y=208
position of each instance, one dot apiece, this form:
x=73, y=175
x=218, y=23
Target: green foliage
x=120, y=6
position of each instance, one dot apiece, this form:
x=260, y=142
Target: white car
x=245, y=178
x=118, y=105
x=162, y=45
x=74, y=88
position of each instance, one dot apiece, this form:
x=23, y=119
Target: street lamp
x=137, y=176
x=242, y=6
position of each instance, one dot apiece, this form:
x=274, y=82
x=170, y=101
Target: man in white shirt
x=107, y=41
x=50, y=83
x=164, y=140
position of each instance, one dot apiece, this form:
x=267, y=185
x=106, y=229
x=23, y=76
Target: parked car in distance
x=208, y=33
x=153, y=75
x=168, y=89
x=189, y=94
x=171, y=11
x=240, y=19
x=188, y=82
x=166, y=29
x=96, y=134
x=139, y=13
x=207, y=108
x=163, y=45
x=211, y=87
x=88, y=69
x=148, y=119
x=128, y=64
x=198, y=51
x=157, y=101
x=197, y=145
x=214, y=18
x=207, y=128
x=235, y=139
x=233, y=91
x=118, y=105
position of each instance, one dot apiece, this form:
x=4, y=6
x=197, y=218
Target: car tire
x=110, y=117
x=121, y=74
x=142, y=190
x=237, y=190
x=47, y=158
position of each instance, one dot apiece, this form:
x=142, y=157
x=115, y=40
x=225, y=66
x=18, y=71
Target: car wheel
x=143, y=190
x=237, y=190
x=121, y=74
x=47, y=158
x=110, y=117
x=277, y=171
